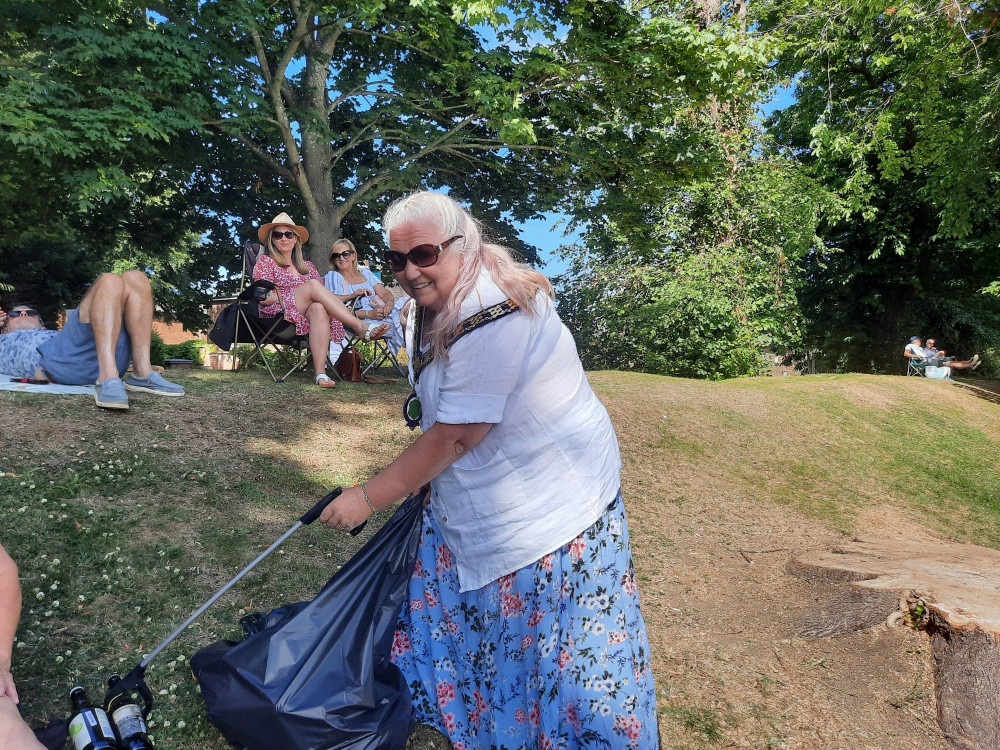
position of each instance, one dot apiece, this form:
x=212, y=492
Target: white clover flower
x=55, y=603
x=59, y=660
x=163, y=692
x=173, y=687
x=81, y=598
x=21, y=644
x=31, y=486
x=69, y=652
x=54, y=586
x=181, y=724
x=22, y=509
x=40, y=595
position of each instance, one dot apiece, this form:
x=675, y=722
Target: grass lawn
x=122, y=524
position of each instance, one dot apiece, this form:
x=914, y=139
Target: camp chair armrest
x=247, y=295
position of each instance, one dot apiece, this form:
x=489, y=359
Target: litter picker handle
x=314, y=512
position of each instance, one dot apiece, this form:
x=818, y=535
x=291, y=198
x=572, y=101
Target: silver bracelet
x=365, y=493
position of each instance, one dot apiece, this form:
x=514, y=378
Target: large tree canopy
x=897, y=111
x=172, y=129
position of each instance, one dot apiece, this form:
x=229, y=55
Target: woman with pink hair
x=522, y=626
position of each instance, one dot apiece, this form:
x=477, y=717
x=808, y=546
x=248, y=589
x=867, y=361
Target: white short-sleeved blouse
x=549, y=466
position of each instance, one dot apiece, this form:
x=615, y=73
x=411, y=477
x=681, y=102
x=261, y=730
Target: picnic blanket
x=53, y=389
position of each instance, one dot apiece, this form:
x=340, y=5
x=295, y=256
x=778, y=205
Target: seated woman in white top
x=522, y=625
x=349, y=280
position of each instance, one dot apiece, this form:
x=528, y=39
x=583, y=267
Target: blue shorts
x=70, y=357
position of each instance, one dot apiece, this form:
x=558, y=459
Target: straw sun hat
x=282, y=219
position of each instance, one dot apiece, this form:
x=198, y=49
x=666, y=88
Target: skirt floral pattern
x=552, y=656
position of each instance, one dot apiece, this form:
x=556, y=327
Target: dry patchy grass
x=196, y=486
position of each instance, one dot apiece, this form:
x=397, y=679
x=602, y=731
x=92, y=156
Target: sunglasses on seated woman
x=341, y=256
x=421, y=256
x=278, y=234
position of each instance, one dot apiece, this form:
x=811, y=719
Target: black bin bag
x=317, y=675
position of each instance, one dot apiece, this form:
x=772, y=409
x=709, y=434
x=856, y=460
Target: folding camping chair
x=916, y=367
x=376, y=352
x=276, y=332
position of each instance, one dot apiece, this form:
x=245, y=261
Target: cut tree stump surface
x=961, y=582
x=960, y=587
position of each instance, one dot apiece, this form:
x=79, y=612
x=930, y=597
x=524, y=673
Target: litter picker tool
x=135, y=681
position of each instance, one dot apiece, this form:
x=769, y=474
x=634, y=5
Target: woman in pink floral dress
x=522, y=627
x=301, y=296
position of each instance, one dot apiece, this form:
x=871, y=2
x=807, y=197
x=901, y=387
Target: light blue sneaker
x=110, y=394
x=154, y=383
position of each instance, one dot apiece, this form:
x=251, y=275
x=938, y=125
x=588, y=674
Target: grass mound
x=122, y=524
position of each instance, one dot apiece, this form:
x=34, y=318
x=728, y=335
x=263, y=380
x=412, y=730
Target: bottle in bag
x=126, y=716
x=90, y=728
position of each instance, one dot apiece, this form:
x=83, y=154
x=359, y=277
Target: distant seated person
x=111, y=327
x=349, y=280
x=916, y=352
x=300, y=296
x=938, y=356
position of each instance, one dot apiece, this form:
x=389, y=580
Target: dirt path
x=731, y=667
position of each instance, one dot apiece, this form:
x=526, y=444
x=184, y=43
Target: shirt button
x=444, y=519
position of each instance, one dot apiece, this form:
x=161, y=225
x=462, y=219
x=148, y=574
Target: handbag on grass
x=350, y=364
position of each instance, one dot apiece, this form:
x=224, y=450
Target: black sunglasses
x=277, y=235
x=341, y=256
x=421, y=256
x=19, y=313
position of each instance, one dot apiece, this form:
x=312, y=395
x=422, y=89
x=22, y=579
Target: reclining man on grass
x=111, y=327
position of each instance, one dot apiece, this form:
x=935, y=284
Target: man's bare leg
x=102, y=307
x=138, y=310
x=14, y=733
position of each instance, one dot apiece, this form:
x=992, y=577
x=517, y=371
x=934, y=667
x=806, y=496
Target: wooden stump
x=959, y=584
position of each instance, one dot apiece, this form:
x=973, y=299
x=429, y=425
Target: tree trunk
x=324, y=230
x=952, y=592
x=317, y=152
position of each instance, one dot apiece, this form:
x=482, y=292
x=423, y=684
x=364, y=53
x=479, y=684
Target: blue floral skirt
x=553, y=655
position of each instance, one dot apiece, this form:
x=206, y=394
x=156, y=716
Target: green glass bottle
x=89, y=729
